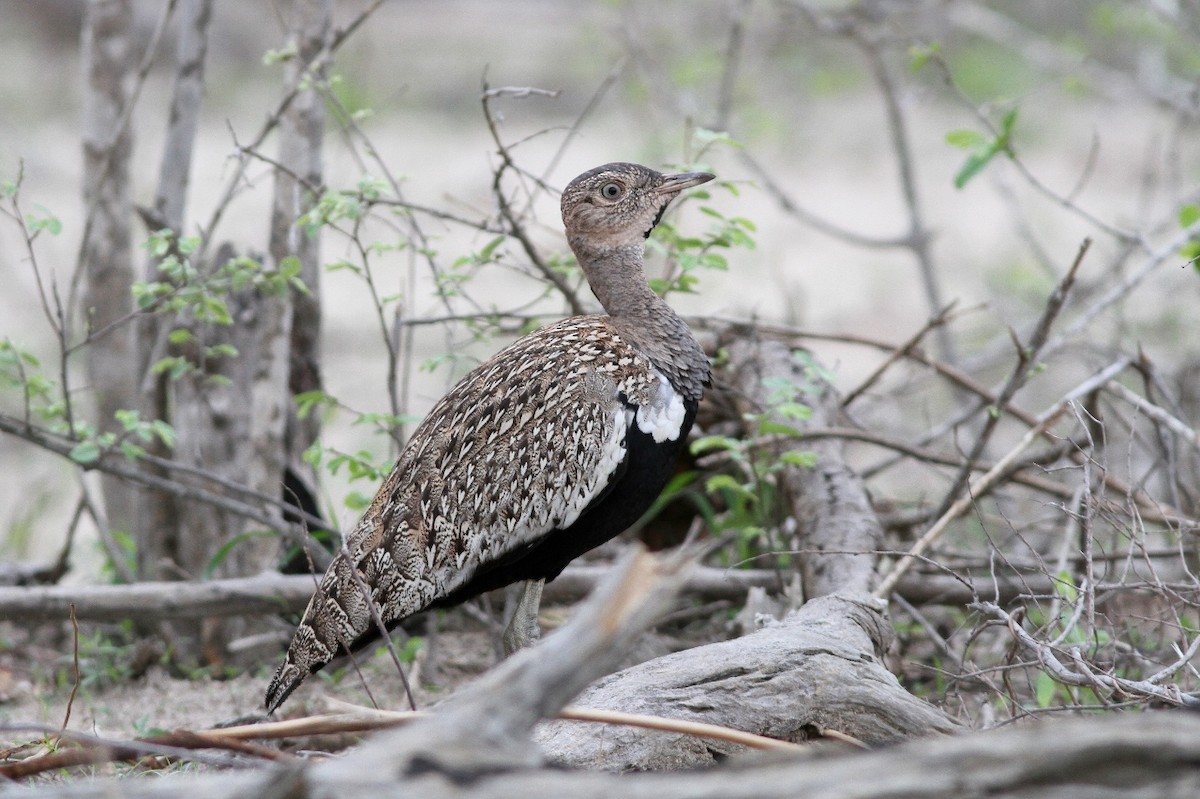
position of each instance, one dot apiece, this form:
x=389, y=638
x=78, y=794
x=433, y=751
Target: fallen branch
x=1134, y=756
x=271, y=593
x=1085, y=676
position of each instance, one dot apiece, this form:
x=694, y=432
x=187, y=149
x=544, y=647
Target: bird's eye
x=611, y=191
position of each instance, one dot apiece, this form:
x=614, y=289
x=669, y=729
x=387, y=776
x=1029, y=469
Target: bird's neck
x=617, y=277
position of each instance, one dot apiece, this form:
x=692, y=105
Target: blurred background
x=841, y=126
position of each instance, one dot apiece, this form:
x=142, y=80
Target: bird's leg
x=523, y=629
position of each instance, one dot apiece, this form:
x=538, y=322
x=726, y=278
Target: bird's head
x=615, y=206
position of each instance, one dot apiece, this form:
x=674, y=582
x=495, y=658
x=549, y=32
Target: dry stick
x=942, y=318
x=399, y=364
x=94, y=750
x=373, y=606
x=1156, y=413
x=576, y=124
x=62, y=445
x=318, y=59
x=987, y=481
x=1027, y=357
x=117, y=465
x=1149, y=506
x=1170, y=91
x=78, y=674
x=271, y=593
x=576, y=713
x=918, y=233
x=516, y=229
x=789, y=206
x=1066, y=202
x=362, y=720
x=1169, y=250
x=732, y=60
x=1049, y=660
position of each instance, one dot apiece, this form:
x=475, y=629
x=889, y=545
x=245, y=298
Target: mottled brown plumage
x=556, y=444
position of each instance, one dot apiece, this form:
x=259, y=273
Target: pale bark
x=273, y=593
x=819, y=669
x=107, y=255
x=838, y=527
x=301, y=135
x=159, y=513
x=236, y=430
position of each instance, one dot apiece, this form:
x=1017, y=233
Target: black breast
x=647, y=467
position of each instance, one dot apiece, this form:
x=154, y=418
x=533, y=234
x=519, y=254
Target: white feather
x=663, y=417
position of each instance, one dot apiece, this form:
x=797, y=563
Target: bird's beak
x=672, y=184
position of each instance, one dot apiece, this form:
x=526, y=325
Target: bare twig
x=986, y=482
x=1027, y=354
x=515, y=226
x=1085, y=676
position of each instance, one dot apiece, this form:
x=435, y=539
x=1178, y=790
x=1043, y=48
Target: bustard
x=550, y=448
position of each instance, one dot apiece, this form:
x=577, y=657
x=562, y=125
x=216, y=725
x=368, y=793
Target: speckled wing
x=519, y=448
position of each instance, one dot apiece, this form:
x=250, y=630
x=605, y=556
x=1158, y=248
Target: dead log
x=840, y=531
x=819, y=669
x=22, y=599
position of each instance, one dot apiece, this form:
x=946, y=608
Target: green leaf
x=972, y=167
x=313, y=455
x=767, y=427
x=724, y=482
x=221, y=554
x=966, y=139
x=129, y=419
x=793, y=410
x=222, y=351
x=803, y=460
x=1189, y=215
x=1065, y=587
x=486, y=253
x=1191, y=253
x=165, y=433
x=278, y=56
x=713, y=443
x=85, y=452
x=132, y=451
x=983, y=150
x=919, y=55
x=307, y=401
x=291, y=266
x=180, y=336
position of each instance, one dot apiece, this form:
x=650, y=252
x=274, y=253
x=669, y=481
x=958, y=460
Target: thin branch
x=1027, y=357
x=515, y=227
x=1085, y=676
x=980, y=487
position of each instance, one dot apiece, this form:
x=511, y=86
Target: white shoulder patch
x=663, y=417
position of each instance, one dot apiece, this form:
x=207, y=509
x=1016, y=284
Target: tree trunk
x=231, y=414
x=159, y=527
x=301, y=134
x=106, y=257
x=234, y=428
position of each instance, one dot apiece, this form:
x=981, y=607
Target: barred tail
x=336, y=618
